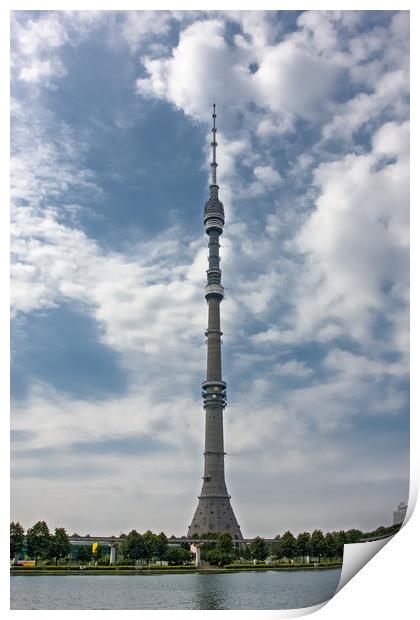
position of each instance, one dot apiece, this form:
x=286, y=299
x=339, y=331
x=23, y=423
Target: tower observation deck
x=214, y=512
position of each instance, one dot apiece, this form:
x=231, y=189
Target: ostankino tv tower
x=214, y=512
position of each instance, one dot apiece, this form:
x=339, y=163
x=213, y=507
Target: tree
x=103, y=558
x=17, y=539
x=317, y=544
x=122, y=550
x=330, y=548
x=303, y=544
x=177, y=555
x=225, y=543
x=161, y=546
x=150, y=545
x=134, y=546
x=258, y=548
x=353, y=535
x=224, y=548
x=206, y=549
x=216, y=557
x=244, y=552
x=288, y=542
x=59, y=545
x=84, y=553
x=38, y=541
x=277, y=548
x=340, y=540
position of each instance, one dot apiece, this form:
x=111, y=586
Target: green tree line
x=316, y=545
x=40, y=544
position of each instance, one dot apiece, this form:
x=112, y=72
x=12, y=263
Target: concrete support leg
x=112, y=555
x=194, y=548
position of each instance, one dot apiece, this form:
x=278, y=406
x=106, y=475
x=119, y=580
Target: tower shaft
x=214, y=511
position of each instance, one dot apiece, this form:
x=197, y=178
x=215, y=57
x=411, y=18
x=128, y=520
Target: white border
x=385, y=588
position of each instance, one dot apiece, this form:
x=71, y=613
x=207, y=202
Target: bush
x=104, y=561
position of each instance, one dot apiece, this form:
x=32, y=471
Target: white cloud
x=356, y=242
x=203, y=66
x=258, y=26
x=40, y=69
x=266, y=179
x=198, y=70
x=267, y=175
x=293, y=81
x=390, y=95
x=392, y=139
x=38, y=44
x=361, y=367
x=354, y=245
x=140, y=25
x=294, y=368
x=45, y=33
x=320, y=29
x=35, y=47
x=351, y=269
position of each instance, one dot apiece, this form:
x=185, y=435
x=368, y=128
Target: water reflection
x=210, y=593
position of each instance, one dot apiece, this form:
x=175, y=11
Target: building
x=214, y=512
x=399, y=514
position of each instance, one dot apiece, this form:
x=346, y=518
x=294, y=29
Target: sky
x=110, y=140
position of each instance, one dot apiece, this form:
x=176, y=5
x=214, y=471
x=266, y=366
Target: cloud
x=197, y=70
x=293, y=367
x=292, y=81
x=203, y=66
x=267, y=178
x=259, y=27
x=357, y=239
x=353, y=247
x=121, y=293
x=35, y=46
x=40, y=69
x=390, y=95
x=82, y=446
x=267, y=175
x=381, y=76
x=138, y=26
x=45, y=33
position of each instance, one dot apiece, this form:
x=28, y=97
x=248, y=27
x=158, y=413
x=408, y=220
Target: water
x=242, y=590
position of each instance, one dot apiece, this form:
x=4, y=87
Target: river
x=240, y=590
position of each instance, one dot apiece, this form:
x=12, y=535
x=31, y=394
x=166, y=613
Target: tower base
x=214, y=514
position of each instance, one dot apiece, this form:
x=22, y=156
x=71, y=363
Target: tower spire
x=214, y=145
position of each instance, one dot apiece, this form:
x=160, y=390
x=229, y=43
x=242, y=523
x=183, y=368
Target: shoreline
x=165, y=570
